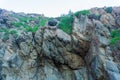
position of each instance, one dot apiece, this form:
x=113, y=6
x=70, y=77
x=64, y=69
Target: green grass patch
x=83, y=12
x=66, y=23
x=7, y=33
x=31, y=29
x=42, y=22
x=17, y=24
x=115, y=37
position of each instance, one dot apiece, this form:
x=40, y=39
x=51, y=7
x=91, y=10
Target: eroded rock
x=52, y=54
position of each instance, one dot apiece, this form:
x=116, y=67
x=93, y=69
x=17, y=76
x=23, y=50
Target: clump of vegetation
x=8, y=32
x=17, y=24
x=109, y=10
x=31, y=29
x=115, y=37
x=23, y=19
x=65, y=24
x=66, y=21
x=23, y=23
x=42, y=22
x=83, y=12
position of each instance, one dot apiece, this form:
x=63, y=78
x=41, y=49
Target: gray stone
x=25, y=49
x=104, y=41
x=15, y=62
x=95, y=67
x=111, y=66
x=93, y=16
x=2, y=52
x=51, y=72
x=63, y=36
x=114, y=75
x=79, y=74
x=118, y=20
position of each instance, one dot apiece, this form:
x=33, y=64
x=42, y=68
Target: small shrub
x=66, y=23
x=83, y=12
x=109, y=10
x=115, y=37
x=115, y=40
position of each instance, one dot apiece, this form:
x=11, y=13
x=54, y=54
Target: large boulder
x=52, y=22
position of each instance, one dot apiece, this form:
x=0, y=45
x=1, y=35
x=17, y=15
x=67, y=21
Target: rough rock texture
x=52, y=22
x=51, y=54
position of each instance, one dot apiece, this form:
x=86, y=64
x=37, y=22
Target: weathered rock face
x=51, y=54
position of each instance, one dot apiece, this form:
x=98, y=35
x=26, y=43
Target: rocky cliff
x=51, y=54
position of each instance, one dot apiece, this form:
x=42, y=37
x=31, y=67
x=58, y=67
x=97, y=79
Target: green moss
x=66, y=23
x=83, y=12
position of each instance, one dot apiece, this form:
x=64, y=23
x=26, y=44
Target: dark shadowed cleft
x=94, y=16
x=118, y=20
x=0, y=11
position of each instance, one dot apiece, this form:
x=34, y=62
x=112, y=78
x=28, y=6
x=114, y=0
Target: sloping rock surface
x=51, y=54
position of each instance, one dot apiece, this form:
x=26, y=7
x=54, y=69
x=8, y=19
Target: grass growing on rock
x=115, y=37
x=66, y=21
x=42, y=22
x=29, y=24
x=83, y=12
x=31, y=29
x=7, y=32
x=65, y=24
x=17, y=24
